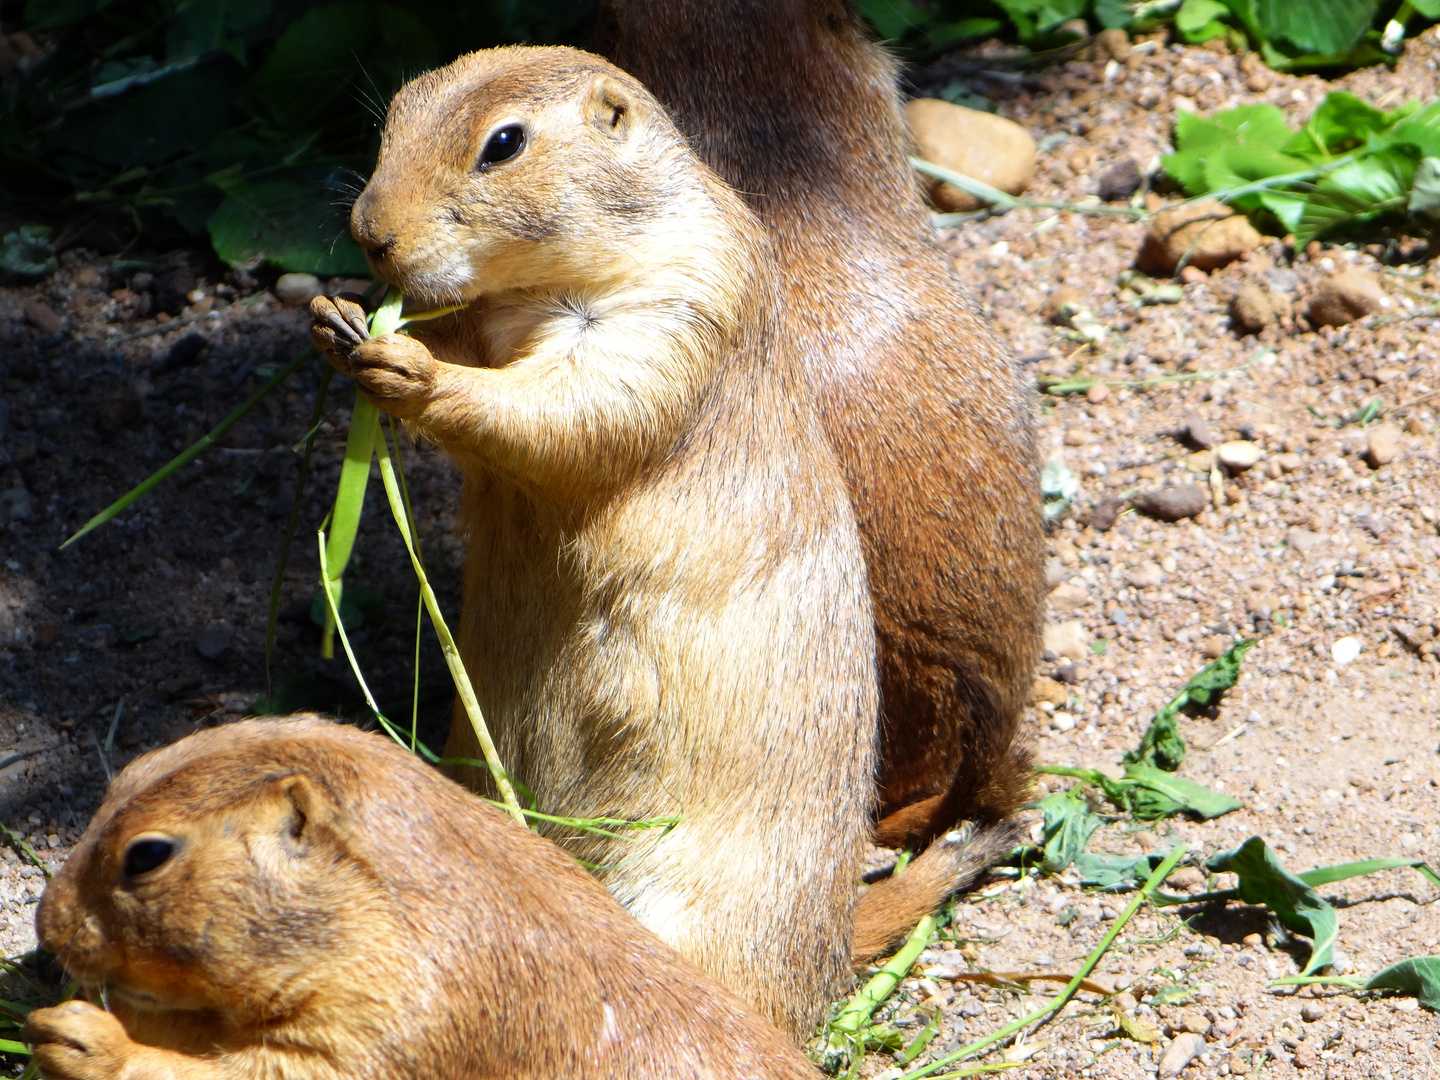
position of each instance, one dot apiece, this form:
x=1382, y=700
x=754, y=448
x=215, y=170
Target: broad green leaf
x=1429, y=8
x=1198, y=139
x=1374, y=178
x=291, y=225
x=1264, y=881
x=1069, y=824
x=1419, y=976
x=1114, y=15
x=1339, y=123
x=1288, y=208
x=1321, y=27
x=1196, y=19
x=1174, y=994
x=312, y=63
x=1183, y=794
x=1424, y=192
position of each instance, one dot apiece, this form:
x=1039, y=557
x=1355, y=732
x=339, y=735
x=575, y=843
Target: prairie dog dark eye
x=502, y=145
x=146, y=854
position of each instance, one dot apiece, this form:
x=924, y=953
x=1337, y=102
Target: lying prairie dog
x=665, y=609
x=300, y=899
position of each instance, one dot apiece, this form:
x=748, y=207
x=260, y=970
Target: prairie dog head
x=216, y=875
x=521, y=168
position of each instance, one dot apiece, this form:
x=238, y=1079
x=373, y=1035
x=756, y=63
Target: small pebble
x=1182, y=1050
x=212, y=642
x=1119, y=182
x=1311, y=1011
x=1195, y=1022
x=185, y=351
x=41, y=316
x=1198, y=431
x=1382, y=446
x=1306, y=1056
x=1238, y=454
x=1062, y=721
x=1187, y=877
x=297, y=289
x=1345, y=650
x=1097, y=393
x=1346, y=296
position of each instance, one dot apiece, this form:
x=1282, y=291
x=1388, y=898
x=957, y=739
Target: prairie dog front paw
x=338, y=326
x=396, y=372
x=77, y=1041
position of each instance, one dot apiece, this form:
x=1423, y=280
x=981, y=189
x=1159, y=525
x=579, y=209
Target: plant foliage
x=1350, y=163
x=250, y=121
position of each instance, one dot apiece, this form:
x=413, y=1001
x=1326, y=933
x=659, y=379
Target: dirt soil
x=159, y=618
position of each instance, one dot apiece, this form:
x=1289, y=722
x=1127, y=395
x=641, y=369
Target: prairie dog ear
x=306, y=814
x=613, y=107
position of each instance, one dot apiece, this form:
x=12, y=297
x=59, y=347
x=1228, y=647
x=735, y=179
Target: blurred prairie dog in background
x=300, y=899
x=665, y=609
x=793, y=104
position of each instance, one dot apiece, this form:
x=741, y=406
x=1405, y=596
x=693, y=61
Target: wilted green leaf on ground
x=1116, y=873
x=26, y=253
x=1157, y=793
x=1069, y=824
x=1161, y=746
x=1263, y=880
x=1419, y=976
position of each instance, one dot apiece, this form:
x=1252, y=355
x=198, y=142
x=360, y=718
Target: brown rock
x=989, y=148
x=1119, y=182
x=1066, y=599
x=1103, y=516
x=1198, y=431
x=1382, y=445
x=1251, y=309
x=1181, y=1051
x=1097, y=393
x=1306, y=1056
x=1238, y=454
x=1048, y=691
x=1186, y=878
x=1112, y=45
x=1210, y=233
x=40, y=315
x=1214, y=647
x=1344, y=297
x=1195, y=1022
x=1174, y=503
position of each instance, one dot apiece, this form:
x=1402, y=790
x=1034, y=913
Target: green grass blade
x=349, y=502
x=1041, y=1015
x=191, y=452
x=1325, y=875
x=844, y=1045
x=463, y=687
x=8, y=1046
x=355, y=474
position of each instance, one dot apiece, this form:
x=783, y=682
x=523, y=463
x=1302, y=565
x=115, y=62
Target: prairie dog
x=300, y=899
x=665, y=609
x=931, y=424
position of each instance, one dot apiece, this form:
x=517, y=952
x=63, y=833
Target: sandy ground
x=1334, y=761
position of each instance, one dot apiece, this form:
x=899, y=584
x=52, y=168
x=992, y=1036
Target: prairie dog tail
x=889, y=910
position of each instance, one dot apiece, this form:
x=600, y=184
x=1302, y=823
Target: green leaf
x=1339, y=123
x=1174, y=994
x=289, y=224
x=1196, y=20
x=892, y=19
x=1419, y=977
x=1424, y=192
x=1069, y=824
x=1163, y=793
x=313, y=62
x=1115, y=15
x=1315, y=26
x=1161, y=746
x=1263, y=880
x=1116, y=873
x=26, y=253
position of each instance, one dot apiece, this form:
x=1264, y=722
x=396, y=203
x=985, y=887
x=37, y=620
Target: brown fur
x=789, y=102
x=336, y=909
x=665, y=608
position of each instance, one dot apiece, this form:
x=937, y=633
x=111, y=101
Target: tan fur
x=665, y=609
x=336, y=909
x=788, y=101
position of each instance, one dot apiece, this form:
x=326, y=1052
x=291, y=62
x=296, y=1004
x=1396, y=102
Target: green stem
x=1040, y=1016
x=463, y=687
x=191, y=452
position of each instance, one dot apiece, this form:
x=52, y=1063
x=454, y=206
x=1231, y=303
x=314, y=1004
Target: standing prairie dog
x=300, y=899
x=665, y=609
x=791, y=103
